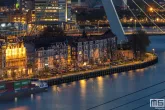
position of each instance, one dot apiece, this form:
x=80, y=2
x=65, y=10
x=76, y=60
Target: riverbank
x=150, y=60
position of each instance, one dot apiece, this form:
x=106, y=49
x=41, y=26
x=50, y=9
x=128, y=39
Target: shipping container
x=25, y=84
x=17, y=85
x=10, y=86
x=2, y=86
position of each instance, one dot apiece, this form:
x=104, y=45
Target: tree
x=139, y=42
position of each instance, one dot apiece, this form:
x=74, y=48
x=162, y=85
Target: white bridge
x=113, y=19
x=117, y=27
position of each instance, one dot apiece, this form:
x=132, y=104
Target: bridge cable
x=134, y=15
x=154, y=10
x=148, y=17
x=126, y=95
x=137, y=99
x=159, y=4
x=146, y=103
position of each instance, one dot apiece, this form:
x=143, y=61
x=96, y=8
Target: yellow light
x=151, y=9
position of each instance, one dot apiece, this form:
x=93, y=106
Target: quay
x=101, y=72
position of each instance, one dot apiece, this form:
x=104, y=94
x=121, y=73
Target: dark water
x=84, y=94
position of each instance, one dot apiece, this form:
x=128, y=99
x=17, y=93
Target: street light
x=153, y=51
x=46, y=64
x=151, y=9
x=135, y=25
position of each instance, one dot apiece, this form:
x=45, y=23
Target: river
x=84, y=94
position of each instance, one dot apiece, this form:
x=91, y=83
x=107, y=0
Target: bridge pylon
x=114, y=20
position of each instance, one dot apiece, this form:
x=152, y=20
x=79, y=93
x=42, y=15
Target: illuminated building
x=14, y=59
x=95, y=49
x=18, y=17
x=3, y=9
x=53, y=10
x=73, y=52
x=3, y=17
x=54, y=56
x=24, y=5
x=12, y=29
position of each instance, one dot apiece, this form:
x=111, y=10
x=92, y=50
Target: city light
x=91, y=52
x=151, y=9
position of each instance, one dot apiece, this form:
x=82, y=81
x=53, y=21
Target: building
x=14, y=59
x=53, y=57
x=75, y=52
x=25, y=5
x=53, y=10
x=4, y=9
x=92, y=3
x=79, y=4
x=3, y=17
x=8, y=3
x=95, y=50
x=18, y=17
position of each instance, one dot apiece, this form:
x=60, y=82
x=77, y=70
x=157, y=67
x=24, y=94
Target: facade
x=78, y=52
x=54, y=56
x=53, y=10
x=14, y=59
x=26, y=5
x=95, y=50
x=18, y=17
x=60, y=55
x=92, y=3
x=3, y=17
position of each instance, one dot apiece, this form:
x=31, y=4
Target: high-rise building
x=92, y=3
x=8, y=3
x=25, y=5
x=53, y=10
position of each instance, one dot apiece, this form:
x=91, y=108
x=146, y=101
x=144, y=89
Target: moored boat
x=10, y=90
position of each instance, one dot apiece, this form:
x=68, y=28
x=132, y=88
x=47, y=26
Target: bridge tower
x=113, y=19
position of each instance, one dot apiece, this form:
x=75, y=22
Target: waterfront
x=84, y=94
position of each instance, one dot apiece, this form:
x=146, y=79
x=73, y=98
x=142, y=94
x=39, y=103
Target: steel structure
x=113, y=19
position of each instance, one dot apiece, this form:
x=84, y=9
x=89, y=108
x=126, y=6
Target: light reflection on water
x=20, y=108
x=84, y=94
x=115, y=75
x=100, y=84
x=83, y=88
